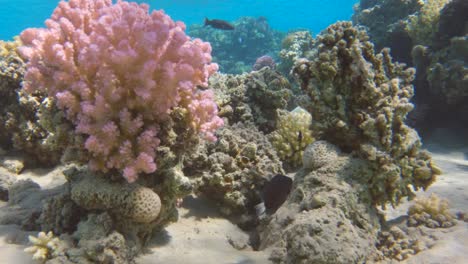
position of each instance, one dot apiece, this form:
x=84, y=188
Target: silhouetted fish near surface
x=275, y=193
x=219, y=24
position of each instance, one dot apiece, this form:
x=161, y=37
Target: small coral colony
x=133, y=109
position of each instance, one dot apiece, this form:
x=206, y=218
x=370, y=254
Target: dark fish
x=219, y=24
x=275, y=193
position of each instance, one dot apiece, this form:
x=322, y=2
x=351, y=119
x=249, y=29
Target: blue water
x=315, y=15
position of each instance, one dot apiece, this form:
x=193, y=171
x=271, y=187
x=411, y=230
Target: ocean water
x=284, y=15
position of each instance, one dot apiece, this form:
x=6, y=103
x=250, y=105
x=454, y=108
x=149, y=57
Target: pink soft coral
x=118, y=71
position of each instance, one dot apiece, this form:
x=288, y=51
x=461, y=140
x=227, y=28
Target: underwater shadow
x=200, y=207
x=159, y=239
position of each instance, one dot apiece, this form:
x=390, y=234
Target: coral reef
x=241, y=98
x=452, y=22
x=432, y=212
x=293, y=47
x=82, y=61
x=360, y=100
x=386, y=22
x=137, y=203
x=233, y=170
x=292, y=135
x=448, y=71
x=94, y=218
x=324, y=220
x=440, y=27
x=264, y=61
x=236, y=51
x=421, y=26
x=29, y=123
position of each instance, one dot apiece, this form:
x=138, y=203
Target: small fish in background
x=218, y=24
x=275, y=193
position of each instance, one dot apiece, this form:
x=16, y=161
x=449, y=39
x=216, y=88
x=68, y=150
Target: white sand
x=202, y=236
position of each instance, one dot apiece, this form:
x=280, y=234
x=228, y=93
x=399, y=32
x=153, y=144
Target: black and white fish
x=275, y=193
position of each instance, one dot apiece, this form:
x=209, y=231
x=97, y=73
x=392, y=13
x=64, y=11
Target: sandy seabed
x=202, y=235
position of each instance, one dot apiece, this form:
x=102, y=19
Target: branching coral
x=292, y=135
x=431, y=211
x=43, y=245
x=118, y=71
x=360, y=100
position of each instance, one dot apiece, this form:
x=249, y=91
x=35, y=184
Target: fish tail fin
x=260, y=209
x=207, y=22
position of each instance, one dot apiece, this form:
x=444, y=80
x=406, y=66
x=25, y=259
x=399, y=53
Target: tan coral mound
x=432, y=212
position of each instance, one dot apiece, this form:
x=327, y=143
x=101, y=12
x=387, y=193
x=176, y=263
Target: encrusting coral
x=292, y=135
x=118, y=72
x=360, y=100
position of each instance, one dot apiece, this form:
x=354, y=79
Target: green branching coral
x=292, y=135
x=360, y=100
x=422, y=26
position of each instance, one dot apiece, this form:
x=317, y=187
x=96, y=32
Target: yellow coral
x=423, y=26
x=431, y=211
x=292, y=135
x=43, y=245
x=8, y=47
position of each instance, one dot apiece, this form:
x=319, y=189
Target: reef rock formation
x=386, y=22
x=233, y=171
x=360, y=100
x=324, y=219
x=431, y=35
